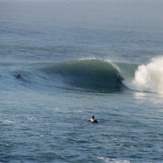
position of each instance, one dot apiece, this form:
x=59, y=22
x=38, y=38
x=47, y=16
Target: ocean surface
x=79, y=58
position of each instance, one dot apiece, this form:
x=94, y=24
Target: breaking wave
x=149, y=77
x=88, y=75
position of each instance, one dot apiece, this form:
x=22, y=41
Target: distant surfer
x=93, y=120
x=18, y=75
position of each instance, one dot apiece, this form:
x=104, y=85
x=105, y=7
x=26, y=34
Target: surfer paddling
x=93, y=120
x=18, y=75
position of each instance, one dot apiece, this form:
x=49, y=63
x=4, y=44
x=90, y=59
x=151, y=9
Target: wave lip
x=89, y=74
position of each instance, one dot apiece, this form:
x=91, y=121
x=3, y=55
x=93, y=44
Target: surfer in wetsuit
x=18, y=75
x=93, y=120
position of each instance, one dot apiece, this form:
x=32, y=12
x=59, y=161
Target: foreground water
x=54, y=128
x=78, y=59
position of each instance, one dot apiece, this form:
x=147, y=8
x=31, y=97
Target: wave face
x=89, y=74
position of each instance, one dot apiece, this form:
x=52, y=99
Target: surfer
x=18, y=75
x=93, y=120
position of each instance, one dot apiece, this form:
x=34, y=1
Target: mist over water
x=128, y=30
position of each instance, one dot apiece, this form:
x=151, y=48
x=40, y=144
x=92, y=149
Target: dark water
x=77, y=59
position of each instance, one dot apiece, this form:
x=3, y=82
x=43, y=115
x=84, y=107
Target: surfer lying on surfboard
x=93, y=120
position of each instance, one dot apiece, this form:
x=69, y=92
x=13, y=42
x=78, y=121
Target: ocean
x=77, y=59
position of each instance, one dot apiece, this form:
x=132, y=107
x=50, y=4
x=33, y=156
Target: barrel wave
x=88, y=74
x=94, y=75
x=84, y=74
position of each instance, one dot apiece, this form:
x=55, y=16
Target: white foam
x=89, y=58
x=150, y=77
x=111, y=160
x=30, y=118
x=7, y=122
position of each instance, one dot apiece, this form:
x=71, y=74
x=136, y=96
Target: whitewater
x=149, y=77
x=78, y=59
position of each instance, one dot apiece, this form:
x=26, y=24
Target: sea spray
x=150, y=77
